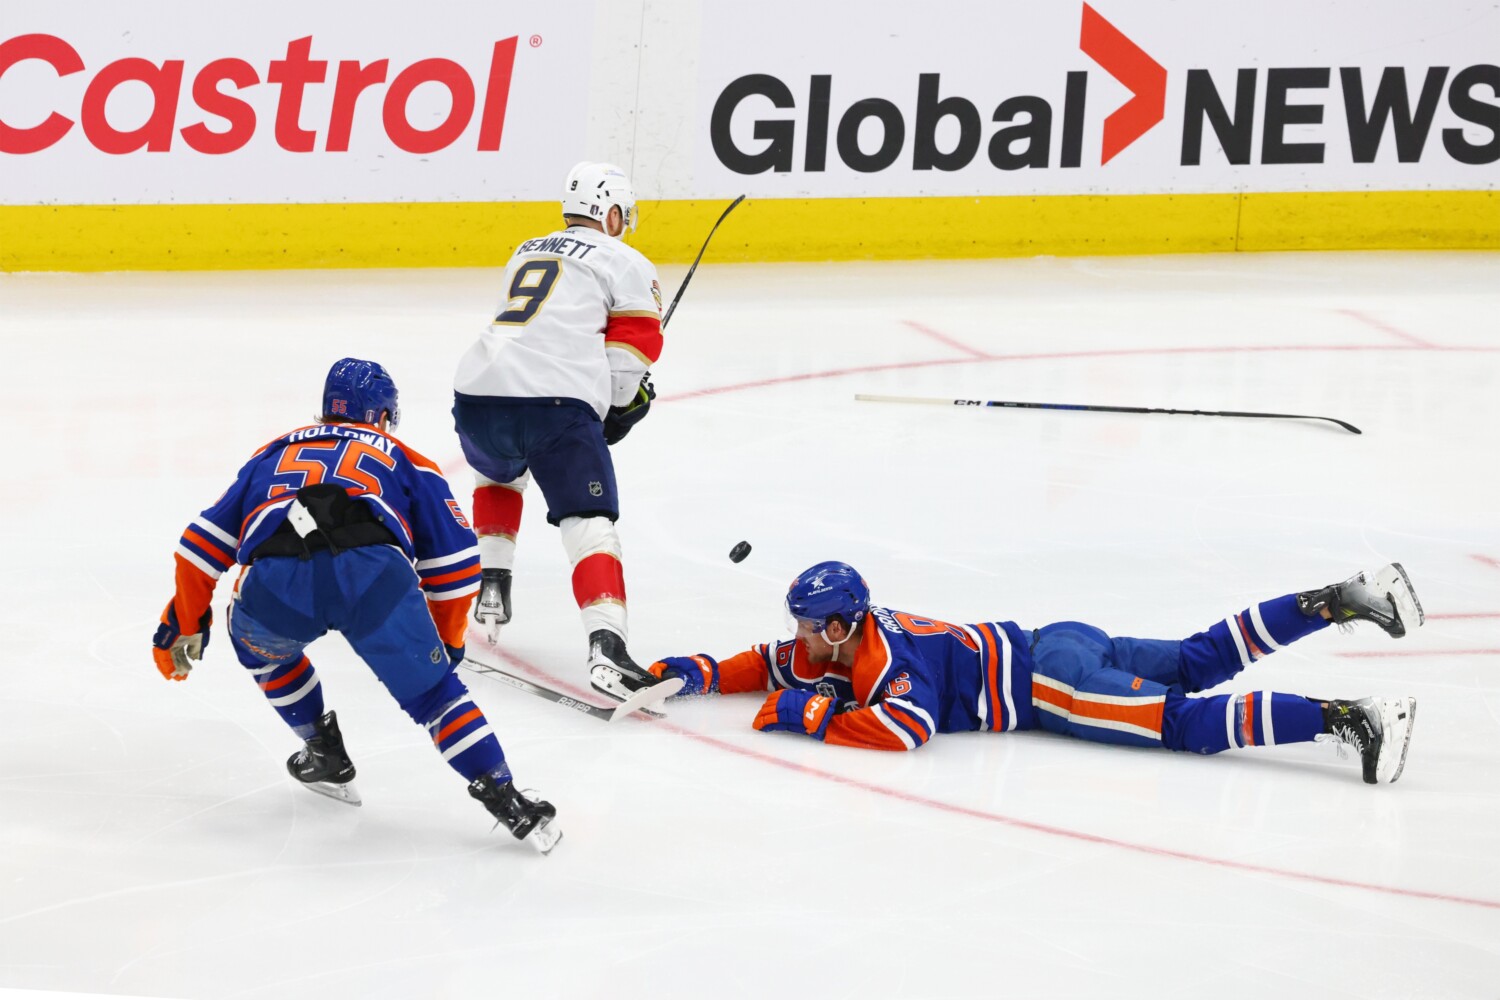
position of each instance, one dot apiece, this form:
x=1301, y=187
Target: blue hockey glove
x=174, y=652
x=619, y=419
x=804, y=712
x=455, y=654
x=700, y=674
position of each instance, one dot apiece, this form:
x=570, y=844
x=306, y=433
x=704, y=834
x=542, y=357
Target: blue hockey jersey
x=405, y=491
x=912, y=677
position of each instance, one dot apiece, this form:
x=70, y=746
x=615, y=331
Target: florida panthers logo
x=898, y=687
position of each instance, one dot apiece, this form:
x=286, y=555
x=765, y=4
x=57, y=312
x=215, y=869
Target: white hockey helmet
x=593, y=188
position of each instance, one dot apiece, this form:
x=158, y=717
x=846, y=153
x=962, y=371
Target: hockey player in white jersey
x=558, y=377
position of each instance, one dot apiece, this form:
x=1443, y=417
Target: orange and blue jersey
x=405, y=491
x=912, y=677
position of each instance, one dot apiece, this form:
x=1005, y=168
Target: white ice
x=151, y=843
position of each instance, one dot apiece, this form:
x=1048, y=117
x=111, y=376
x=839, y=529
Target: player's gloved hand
x=803, y=712
x=455, y=653
x=619, y=419
x=700, y=674
x=174, y=652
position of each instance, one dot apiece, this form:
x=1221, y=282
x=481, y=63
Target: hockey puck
x=739, y=552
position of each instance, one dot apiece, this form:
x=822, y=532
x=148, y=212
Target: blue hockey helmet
x=826, y=591
x=359, y=391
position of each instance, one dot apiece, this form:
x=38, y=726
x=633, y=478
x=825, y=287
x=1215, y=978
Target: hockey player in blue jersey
x=341, y=527
x=865, y=676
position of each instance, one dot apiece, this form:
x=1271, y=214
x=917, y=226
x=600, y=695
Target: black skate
x=322, y=765
x=528, y=819
x=492, y=608
x=1385, y=597
x=612, y=672
x=1379, y=729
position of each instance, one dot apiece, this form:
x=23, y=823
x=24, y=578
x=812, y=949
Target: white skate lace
x=1342, y=738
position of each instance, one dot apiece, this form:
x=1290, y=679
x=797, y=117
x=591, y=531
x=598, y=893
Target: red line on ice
x=988, y=817
x=1385, y=327
x=943, y=338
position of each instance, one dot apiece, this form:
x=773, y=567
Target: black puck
x=739, y=552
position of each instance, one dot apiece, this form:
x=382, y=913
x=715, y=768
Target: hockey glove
x=700, y=674
x=455, y=654
x=174, y=652
x=619, y=419
x=803, y=712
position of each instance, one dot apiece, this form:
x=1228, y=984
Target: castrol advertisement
x=290, y=102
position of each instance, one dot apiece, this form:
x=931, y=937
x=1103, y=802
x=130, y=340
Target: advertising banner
x=172, y=102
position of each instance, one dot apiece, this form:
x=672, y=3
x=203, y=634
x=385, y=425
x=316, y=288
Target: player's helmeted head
x=592, y=189
x=359, y=392
x=826, y=591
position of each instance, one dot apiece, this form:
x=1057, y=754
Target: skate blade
x=1411, y=719
x=646, y=697
x=1405, y=598
x=544, y=837
x=346, y=792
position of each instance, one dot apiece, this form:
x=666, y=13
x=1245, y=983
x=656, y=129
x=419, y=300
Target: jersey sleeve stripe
x=650, y=313
x=472, y=552
x=210, y=570
x=216, y=531
x=438, y=580
x=916, y=710
x=895, y=727
x=640, y=335
x=455, y=591
x=211, y=550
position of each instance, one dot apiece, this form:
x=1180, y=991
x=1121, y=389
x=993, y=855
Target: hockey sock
x=294, y=691
x=497, y=511
x=1227, y=647
x=463, y=736
x=1259, y=718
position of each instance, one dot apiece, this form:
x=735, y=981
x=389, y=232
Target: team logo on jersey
x=901, y=685
x=596, y=488
x=458, y=513
x=656, y=293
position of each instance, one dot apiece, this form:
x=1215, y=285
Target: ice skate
x=528, y=819
x=492, y=608
x=1384, y=597
x=612, y=672
x=322, y=765
x=1379, y=729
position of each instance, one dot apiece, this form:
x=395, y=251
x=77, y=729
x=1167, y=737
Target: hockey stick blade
x=558, y=698
x=1099, y=409
x=689, y=277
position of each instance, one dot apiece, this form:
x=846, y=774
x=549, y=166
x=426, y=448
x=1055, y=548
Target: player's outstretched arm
x=702, y=674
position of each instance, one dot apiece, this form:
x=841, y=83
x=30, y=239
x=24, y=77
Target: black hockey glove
x=619, y=419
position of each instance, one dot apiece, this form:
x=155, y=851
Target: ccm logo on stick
x=292, y=75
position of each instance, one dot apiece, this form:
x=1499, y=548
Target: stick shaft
x=1101, y=409
x=546, y=693
x=683, y=287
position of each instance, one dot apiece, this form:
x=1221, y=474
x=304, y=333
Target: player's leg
x=1080, y=690
x=269, y=627
x=1227, y=647
x=573, y=468
x=491, y=435
x=386, y=621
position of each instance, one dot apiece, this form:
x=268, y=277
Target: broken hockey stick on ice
x=557, y=697
x=683, y=287
x=1100, y=409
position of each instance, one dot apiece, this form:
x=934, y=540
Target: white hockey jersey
x=581, y=320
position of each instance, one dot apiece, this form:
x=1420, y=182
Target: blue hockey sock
x=293, y=689
x=463, y=736
x=1227, y=647
x=1214, y=724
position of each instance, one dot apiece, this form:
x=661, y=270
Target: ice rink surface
x=151, y=843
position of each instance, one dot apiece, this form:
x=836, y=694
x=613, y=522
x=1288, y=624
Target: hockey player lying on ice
x=865, y=676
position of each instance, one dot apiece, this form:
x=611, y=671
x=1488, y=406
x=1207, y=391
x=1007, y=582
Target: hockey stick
x=1101, y=409
x=683, y=287
x=556, y=697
